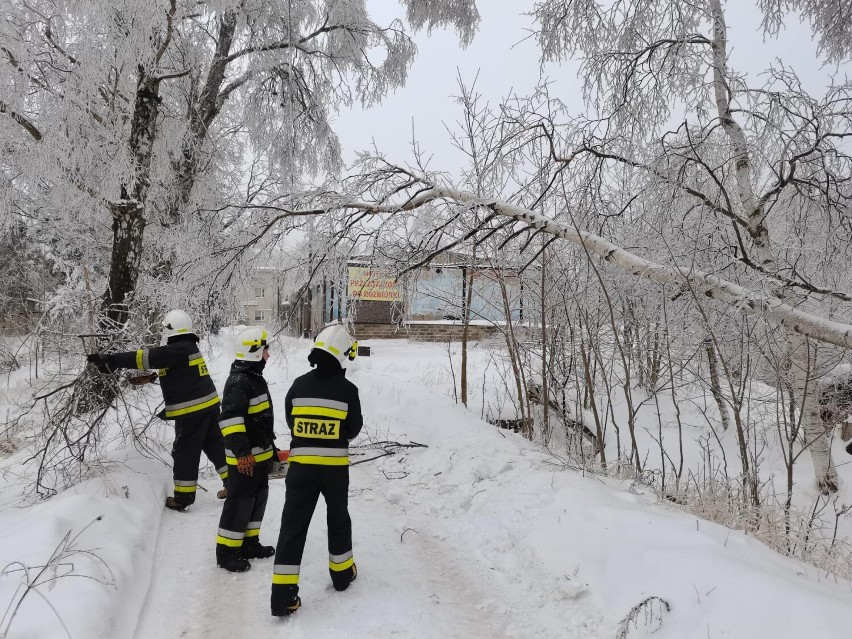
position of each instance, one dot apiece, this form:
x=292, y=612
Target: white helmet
x=176, y=322
x=250, y=342
x=336, y=340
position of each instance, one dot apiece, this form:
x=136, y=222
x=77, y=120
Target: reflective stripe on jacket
x=324, y=415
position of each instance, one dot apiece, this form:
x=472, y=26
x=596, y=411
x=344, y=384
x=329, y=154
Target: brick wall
x=374, y=312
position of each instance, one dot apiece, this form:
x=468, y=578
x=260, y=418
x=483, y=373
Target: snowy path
x=420, y=575
x=410, y=584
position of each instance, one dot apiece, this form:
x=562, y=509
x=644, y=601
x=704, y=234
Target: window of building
x=259, y=316
x=260, y=293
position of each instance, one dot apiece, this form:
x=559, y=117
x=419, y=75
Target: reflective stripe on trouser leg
x=339, y=563
x=283, y=575
x=185, y=486
x=229, y=538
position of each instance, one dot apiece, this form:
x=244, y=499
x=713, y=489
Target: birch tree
x=755, y=157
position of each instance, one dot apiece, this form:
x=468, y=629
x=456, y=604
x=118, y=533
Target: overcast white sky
x=507, y=60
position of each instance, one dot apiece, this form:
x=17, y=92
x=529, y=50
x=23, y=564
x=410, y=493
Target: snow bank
x=90, y=550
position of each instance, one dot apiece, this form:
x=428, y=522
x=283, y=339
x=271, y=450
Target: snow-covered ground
x=478, y=534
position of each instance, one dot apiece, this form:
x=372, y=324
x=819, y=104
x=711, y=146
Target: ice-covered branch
x=28, y=126
x=706, y=284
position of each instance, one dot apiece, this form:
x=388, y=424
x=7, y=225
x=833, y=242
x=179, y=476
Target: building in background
x=425, y=304
x=261, y=300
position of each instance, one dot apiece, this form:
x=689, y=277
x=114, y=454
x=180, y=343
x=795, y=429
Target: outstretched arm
x=144, y=358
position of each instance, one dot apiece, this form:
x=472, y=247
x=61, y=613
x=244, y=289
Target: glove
x=245, y=465
x=279, y=464
x=141, y=380
x=99, y=361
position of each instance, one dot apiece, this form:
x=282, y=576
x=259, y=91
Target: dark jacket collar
x=326, y=363
x=242, y=366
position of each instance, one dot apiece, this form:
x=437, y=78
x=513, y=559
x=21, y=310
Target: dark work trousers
x=305, y=483
x=194, y=434
x=243, y=511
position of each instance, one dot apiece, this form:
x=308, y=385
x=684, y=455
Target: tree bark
x=515, y=359
x=715, y=387
x=817, y=434
x=591, y=394
x=545, y=393
x=467, y=301
x=202, y=113
x=128, y=226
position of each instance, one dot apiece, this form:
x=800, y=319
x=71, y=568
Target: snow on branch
x=429, y=15
x=706, y=284
x=28, y=126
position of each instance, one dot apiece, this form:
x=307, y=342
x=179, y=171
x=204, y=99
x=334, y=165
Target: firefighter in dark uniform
x=190, y=400
x=248, y=427
x=323, y=413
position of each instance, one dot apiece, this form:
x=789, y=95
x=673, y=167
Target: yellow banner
x=373, y=285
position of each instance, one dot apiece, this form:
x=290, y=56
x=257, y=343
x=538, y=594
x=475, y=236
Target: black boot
x=287, y=609
x=341, y=580
x=231, y=559
x=253, y=550
x=172, y=504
